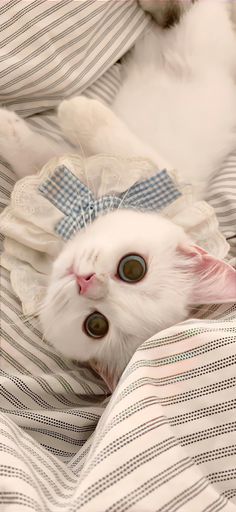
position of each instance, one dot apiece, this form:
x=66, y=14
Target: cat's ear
x=215, y=279
x=110, y=378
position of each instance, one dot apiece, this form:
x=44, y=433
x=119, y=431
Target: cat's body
x=187, y=77
x=177, y=104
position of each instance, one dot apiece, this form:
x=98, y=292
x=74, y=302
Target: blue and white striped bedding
x=165, y=441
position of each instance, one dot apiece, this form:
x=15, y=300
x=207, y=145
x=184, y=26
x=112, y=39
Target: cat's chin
x=110, y=369
x=111, y=357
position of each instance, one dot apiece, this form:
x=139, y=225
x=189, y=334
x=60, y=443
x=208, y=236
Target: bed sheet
x=165, y=441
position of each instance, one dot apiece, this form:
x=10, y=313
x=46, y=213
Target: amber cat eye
x=132, y=268
x=96, y=325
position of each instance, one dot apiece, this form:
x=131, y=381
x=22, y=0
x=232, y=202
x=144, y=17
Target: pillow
x=51, y=50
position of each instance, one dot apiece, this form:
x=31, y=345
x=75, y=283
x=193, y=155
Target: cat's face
x=113, y=286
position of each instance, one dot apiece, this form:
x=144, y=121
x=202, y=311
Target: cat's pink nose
x=85, y=282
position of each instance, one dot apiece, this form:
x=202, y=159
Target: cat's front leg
x=95, y=128
x=25, y=150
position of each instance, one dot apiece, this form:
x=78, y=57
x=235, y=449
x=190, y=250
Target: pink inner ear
x=216, y=280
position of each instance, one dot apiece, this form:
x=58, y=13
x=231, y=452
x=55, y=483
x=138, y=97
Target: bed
x=165, y=440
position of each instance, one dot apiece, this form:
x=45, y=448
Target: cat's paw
x=12, y=128
x=80, y=118
x=19, y=145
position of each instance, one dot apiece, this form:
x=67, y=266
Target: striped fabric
x=54, y=49
x=222, y=196
x=165, y=441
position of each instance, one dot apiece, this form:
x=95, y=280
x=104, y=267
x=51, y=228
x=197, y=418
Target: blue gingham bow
x=79, y=206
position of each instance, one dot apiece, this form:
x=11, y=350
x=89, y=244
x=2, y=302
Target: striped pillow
x=53, y=49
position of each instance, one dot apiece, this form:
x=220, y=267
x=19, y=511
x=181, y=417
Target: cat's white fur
x=189, y=115
x=177, y=104
x=134, y=311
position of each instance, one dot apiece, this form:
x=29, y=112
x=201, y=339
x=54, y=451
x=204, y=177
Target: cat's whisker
x=54, y=183
x=23, y=316
x=83, y=153
x=58, y=301
x=43, y=339
x=57, y=307
x=110, y=209
x=88, y=186
x=124, y=198
x=24, y=320
x=114, y=195
x=44, y=334
x=134, y=205
x=83, y=215
x=79, y=197
x=87, y=181
x=58, y=187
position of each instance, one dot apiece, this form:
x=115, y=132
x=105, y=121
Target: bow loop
x=80, y=208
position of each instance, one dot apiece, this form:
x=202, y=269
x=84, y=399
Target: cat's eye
x=132, y=268
x=96, y=325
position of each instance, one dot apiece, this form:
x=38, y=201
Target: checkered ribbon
x=79, y=206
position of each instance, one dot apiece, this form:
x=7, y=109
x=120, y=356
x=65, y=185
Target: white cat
x=126, y=277
x=131, y=274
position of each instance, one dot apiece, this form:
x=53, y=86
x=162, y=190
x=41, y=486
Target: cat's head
x=115, y=284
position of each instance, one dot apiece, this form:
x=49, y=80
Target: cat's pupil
x=132, y=268
x=96, y=325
